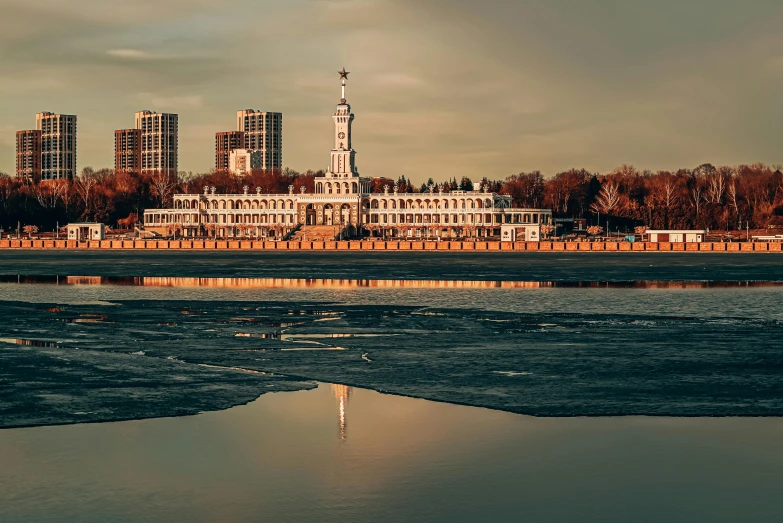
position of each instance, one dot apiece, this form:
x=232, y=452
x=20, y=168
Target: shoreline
x=365, y=245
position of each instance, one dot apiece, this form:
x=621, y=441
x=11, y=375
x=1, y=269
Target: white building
x=263, y=131
x=58, y=145
x=85, y=231
x=696, y=236
x=159, y=141
x=243, y=161
x=342, y=204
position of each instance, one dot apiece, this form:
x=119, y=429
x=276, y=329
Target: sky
x=440, y=88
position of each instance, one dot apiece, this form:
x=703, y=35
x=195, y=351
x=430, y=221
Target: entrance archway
x=328, y=214
x=310, y=215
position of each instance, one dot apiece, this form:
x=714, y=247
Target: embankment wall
x=248, y=245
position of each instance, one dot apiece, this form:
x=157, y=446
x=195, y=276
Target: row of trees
x=704, y=197
x=119, y=198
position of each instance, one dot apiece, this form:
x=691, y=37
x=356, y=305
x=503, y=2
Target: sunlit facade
x=343, y=205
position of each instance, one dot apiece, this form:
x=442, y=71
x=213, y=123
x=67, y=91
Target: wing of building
x=344, y=206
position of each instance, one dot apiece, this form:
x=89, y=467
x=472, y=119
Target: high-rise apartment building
x=58, y=145
x=263, y=132
x=159, y=141
x=244, y=161
x=28, y=154
x=226, y=142
x=127, y=150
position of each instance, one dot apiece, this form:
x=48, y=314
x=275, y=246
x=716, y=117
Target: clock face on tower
x=341, y=135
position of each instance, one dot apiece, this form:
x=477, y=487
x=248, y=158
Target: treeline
x=704, y=197
x=119, y=199
x=708, y=197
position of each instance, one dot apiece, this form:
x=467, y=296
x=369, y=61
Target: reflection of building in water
x=325, y=283
x=342, y=393
x=289, y=283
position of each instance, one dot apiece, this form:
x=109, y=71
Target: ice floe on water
x=468, y=349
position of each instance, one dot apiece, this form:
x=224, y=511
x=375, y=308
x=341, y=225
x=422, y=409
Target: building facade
x=226, y=142
x=159, y=141
x=28, y=154
x=243, y=161
x=58, y=145
x=127, y=150
x=342, y=205
x=263, y=131
x=677, y=236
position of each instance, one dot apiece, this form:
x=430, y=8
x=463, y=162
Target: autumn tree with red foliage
x=704, y=197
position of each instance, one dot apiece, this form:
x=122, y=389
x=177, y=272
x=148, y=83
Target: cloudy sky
x=440, y=87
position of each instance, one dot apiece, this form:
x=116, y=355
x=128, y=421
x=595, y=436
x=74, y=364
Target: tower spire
x=343, y=77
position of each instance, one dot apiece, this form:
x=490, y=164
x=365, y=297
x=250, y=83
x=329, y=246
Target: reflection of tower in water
x=342, y=393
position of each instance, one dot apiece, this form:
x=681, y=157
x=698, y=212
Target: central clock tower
x=342, y=177
x=343, y=163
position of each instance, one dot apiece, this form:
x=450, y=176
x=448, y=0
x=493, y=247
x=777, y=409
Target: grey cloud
x=447, y=87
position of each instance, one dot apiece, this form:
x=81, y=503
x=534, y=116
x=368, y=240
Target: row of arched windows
x=337, y=188
x=235, y=204
x=477, y=203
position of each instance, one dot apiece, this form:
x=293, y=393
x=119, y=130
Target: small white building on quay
x=677, y=236
x=344, y=205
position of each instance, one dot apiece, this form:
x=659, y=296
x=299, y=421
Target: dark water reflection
x=327, y=283
x=348, y=455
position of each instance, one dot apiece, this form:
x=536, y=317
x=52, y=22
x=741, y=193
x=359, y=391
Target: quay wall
x=246, y=245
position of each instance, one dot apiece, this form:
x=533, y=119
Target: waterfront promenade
x=249, y=245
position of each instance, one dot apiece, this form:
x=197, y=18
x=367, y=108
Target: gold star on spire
x=343, y=74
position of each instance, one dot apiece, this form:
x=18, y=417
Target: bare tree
x=731, y=196
x=716, y=184
x=48, y=193
x=6, y=190
x=163, y=185
x=608, y=198
x=666, y=193
x=84, y=185
x=697, y=198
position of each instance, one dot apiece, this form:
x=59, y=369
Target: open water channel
x=416, y=387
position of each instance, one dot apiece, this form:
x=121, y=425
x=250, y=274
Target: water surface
x=349, y=455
